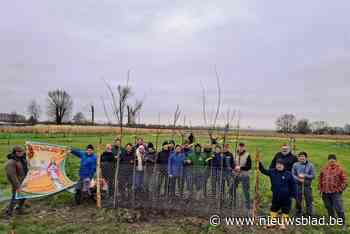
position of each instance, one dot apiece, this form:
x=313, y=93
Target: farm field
x=57, y=214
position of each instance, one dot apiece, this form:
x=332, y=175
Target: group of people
x=197, y=172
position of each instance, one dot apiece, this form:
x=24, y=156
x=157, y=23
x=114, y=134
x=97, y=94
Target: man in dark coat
x=162, y=161
x=16, y=169
x=286, y=157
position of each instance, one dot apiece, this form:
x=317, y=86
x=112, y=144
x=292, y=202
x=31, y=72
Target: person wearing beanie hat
x=162, y=172
x=332, y=182
x=283, y=189
x=86, y=171
x=303, y=173
x=16, y=169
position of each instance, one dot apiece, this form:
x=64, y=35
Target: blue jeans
x=138, y=183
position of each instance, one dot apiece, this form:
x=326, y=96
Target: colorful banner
x=46, y=175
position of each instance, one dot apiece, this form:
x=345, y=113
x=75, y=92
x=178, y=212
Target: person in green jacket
x=198, y=162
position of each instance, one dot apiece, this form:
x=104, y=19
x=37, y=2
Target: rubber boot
x=273, y=220
x=284, y=223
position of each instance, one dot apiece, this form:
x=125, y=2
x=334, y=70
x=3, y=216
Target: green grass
x=317, y=150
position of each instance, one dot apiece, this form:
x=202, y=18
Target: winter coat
x=307, y=169
x=288, y=161
x=283, y=185
x=87, y=164
x=332, y=179
x=175, y=163
x=108, y=157
x=163, y=157
x=16, y=169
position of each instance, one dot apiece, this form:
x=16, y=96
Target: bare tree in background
x=133, y=111
x=286, y=123
x=34, y=111
x=119, y=101
x=60, y=105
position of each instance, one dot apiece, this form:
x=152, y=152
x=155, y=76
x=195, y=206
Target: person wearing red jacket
x=332, y=181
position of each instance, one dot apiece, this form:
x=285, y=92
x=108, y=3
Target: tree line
x=288, y=123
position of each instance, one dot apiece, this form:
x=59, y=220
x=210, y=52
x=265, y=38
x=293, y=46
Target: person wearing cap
x=162, y=161
x=332, y=182
x=283, y=189
x=286, y=157
x=86, y=171
x=16, y=169
x=198, y=163
x=243, y=165
x=303, y=173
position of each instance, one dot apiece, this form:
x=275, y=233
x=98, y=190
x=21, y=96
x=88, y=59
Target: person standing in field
x=139, y=168
x=108, y=160
x=188, y=175
x=286, y=157
x=16, y=169
x=243, y=165
x=86, y=171
x=117, y=147
x=126, y=170
x=228, y=167
x=208, y=154
x=303, y=172
x=162, y=161
x=150, y=160
x=175, y=170
x=283, y=188
x=197, y=160
x=332, y=182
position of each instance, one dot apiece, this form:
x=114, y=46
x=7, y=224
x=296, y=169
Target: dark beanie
x=165, y=143
x=332, y=156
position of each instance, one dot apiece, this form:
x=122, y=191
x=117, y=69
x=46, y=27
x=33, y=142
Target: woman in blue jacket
x=86, y=171
x=175, y=170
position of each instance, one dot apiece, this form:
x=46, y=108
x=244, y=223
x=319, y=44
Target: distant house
x=12, y=118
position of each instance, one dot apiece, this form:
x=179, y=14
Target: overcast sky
x=273, y=57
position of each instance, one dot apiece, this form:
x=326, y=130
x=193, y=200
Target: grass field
x=318, y=149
